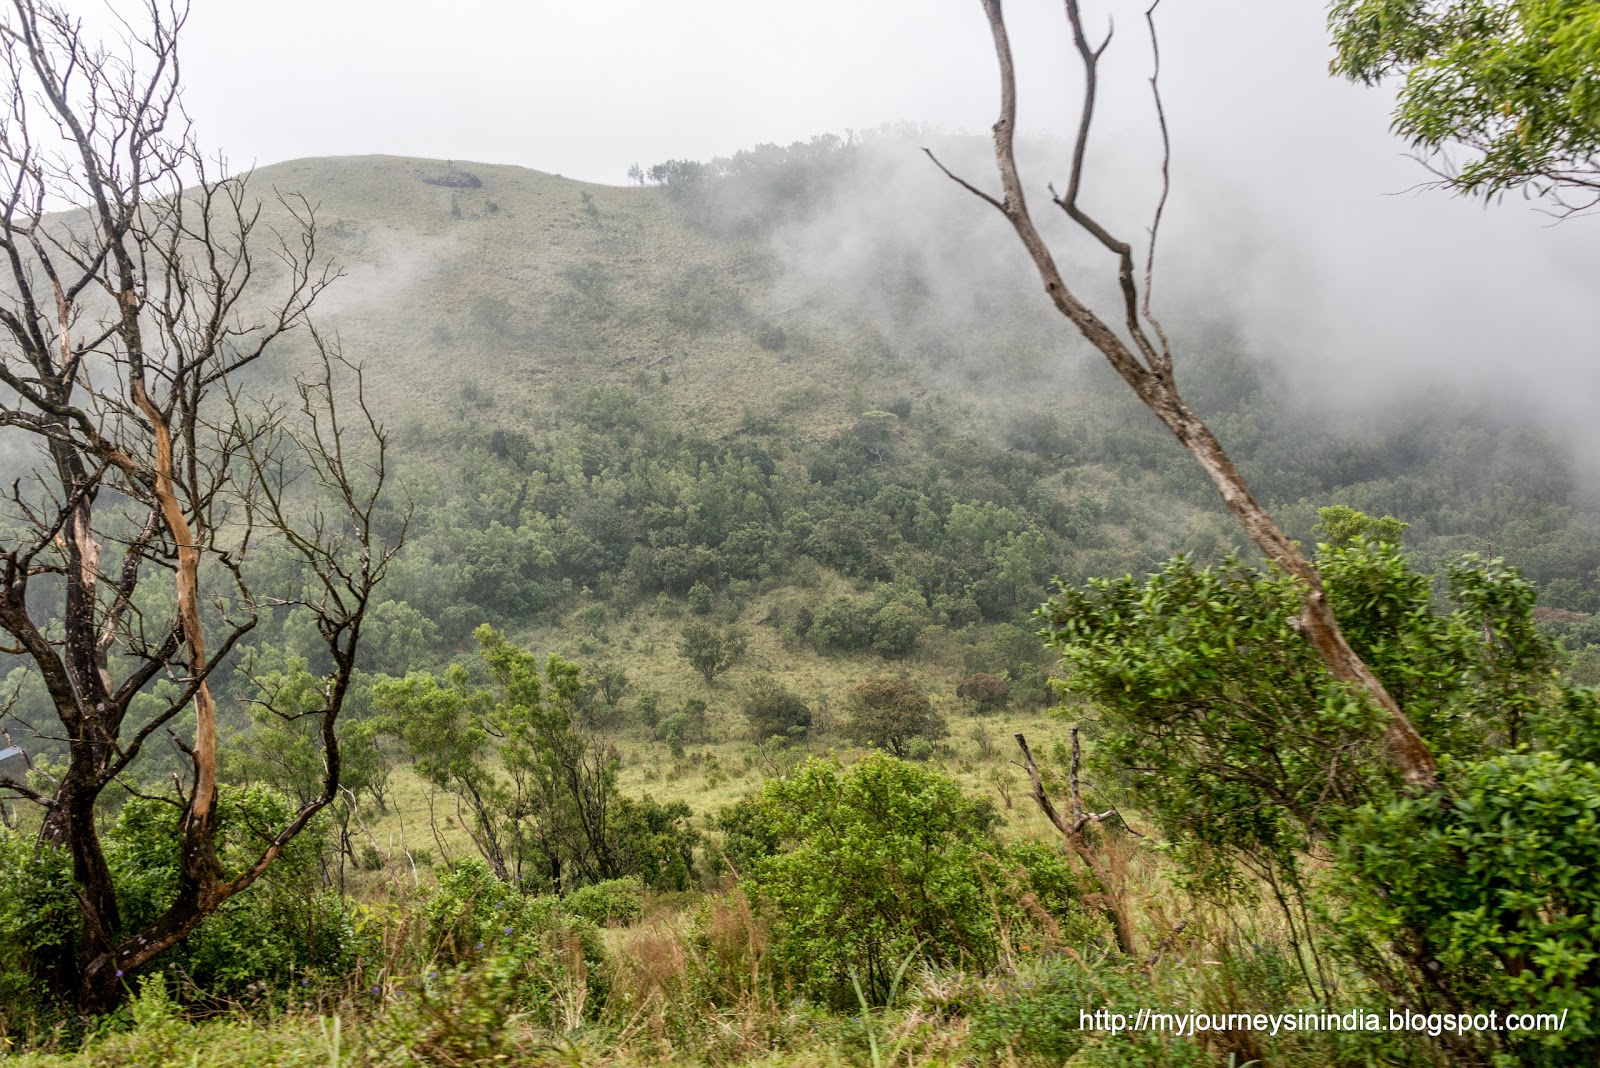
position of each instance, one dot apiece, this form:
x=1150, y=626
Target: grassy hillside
x=516, y=289
x=586, y=373
x=607, y=402
x=624, y=420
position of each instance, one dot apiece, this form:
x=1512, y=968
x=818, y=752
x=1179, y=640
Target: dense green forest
x=611, y=649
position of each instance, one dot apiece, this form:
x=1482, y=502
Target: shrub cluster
x=866, y=867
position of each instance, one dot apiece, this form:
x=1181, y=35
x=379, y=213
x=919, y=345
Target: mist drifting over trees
x=671, y=578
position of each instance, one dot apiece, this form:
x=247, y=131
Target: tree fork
x=149, y=432
x=1149, y=371
x=1113, y=887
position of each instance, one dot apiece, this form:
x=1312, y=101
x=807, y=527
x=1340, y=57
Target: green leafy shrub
x=842, y=625
x=892, y=714
x=615, y=901
x=1017, y=655
x=653, y=842
x=700, y=301
x=544, y=958
x=674, y=730
x=711, y=650
x=986, y=692
x=771, y=708
x=1035, y=1014
x=38, y=926
x=889, y=623
x=772, y=337
x=1486, y=898
x=895, y=629
x=867, y=866
x=287, y=924
x=537, y=787
x=1223, y=722
x=1219, y=718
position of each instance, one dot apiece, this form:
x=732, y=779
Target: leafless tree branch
x=1146, y=367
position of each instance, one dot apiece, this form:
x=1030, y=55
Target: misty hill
x=486, y=298
x=740, y=396
x=530, y=287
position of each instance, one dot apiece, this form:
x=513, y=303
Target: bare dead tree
x=1142, y=356
x=1106, y=864
x=134, y=293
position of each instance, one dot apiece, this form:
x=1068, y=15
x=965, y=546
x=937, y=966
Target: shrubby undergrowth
x=869, y=911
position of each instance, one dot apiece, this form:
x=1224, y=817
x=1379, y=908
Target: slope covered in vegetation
x=682, y=727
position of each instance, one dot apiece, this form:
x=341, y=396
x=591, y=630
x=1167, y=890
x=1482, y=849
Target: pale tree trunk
x=1148, y=372
x=124, y=334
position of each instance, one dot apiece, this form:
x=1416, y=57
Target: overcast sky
x=586, y=88
x=1291, y=202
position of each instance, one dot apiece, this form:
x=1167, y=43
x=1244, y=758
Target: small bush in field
x=865, y=867
x=772, y=709
x=891, y=714
x=546, y=958
x=1034, y=1018
x=615, y=901
x=987, y=692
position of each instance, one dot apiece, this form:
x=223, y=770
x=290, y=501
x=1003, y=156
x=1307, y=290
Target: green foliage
x=1223, y=722
x=519, y=952
x=1571, y=725
x=892, y=714
x=621, y=497
x=895, y=629
x=868, y=866
x=538, y=788
x=570, y=520
x=654, y=842
x=503, y=568
x=491, y=313
x=699, y=301
x=611, y=681
x=649, y=708
x=1225, y=728
x=283, y=747
x=287, y=924
x=1486, y=896
x=1017, y=655
x=709, y=649
x=38, y=925
x=1513, y=81
x=772, y=337
x=615, y=901
x=700, y=599
x=674, y=730
x=842, y=625
x=608, y=408
x=889, y=622
x=1036, y=1017
x=398, y=639
x=1341, y=526
x=772, y=709
x=589, y=295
